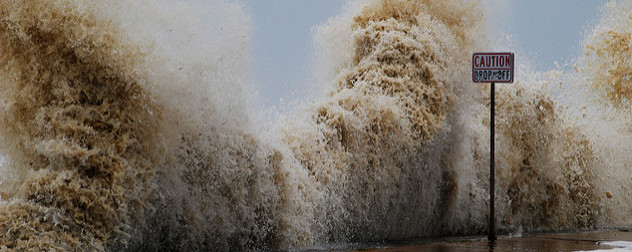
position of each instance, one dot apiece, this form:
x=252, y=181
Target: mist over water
x=128, y=126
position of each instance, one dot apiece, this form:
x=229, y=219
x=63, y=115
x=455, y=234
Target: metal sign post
x=492, y=106
x=492, y=67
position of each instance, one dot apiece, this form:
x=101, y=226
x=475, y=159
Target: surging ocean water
x=126, y=126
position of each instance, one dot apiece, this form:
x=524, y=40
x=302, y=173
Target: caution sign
x=495, y=67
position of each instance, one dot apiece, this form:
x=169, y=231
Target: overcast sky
x=546, y=30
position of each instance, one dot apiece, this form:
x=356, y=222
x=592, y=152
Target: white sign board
x=495, y=67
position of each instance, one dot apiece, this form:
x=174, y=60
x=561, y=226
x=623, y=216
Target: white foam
x=619, y=246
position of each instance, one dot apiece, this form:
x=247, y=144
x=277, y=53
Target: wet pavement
x=530, y=242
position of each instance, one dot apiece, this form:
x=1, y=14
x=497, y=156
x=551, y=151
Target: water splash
x=76, y=128
x=126, y=128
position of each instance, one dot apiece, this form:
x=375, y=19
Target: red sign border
x=494, y=53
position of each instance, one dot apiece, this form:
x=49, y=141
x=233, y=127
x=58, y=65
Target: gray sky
x=546, y=30
x=282, y=43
